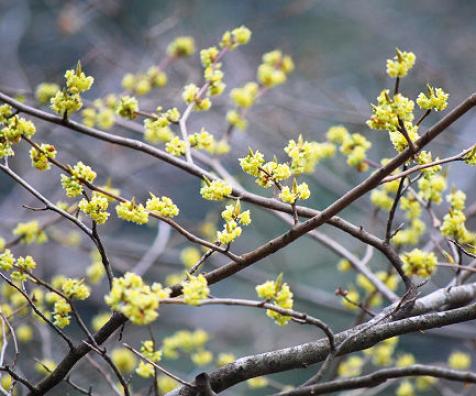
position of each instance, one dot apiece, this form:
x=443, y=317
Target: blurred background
x=339, y=48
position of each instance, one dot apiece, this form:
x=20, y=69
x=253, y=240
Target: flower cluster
x=401, y=64
x=101, y=113
x=351, y=367
x=133, y=212
x=437, y=99
x=95, y=271
x=279, y=293
x=39, y=157
x=306, y=155
x=143, y=83
x=162, y=205
x=134, y=299
x=459, y=361
x=191, y=94
x=292, y=194
x=431, y=187
x=75, y=289
x=233, y=216
x=245, y=96
x=61, y=310
x=405, y=389
x=410, y=235
x=158, y=129
x=176, y=146
x=267, y=174
x=80, y=173
x=145, y=369
x=453, y=225
x=238, y=36
x=275, y=68
x=14, y=128
x=418, y=262
x=68, y=100
x=257, y=382
x=202, y=140
x=96, y=208
x=45, y=91
x=128, y=107
x=19, y=265
x=124, y=359
x=195, y=289
x=390, y=111
x=188, y=342
x=382, y=353
x=181, y=47
x=215, y=190
x=189, y=256
x=30, y=232
x=72, y=289
x=470, y=158
x=355, y=146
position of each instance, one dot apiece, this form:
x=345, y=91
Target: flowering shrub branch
x=407, y=185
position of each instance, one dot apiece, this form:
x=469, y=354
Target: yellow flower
x=238, y=36
x=278, y=293
x=245, y=97
x=257, y=382
x=162, y=205
x=195, y=289
x=39, y=158
x=381, y=199
x=124, y=360
x=351, y=367
x=401, y=64
x=190, y=256
x=418, y=262
x=130, y=211
x=344, y=265
x=225, y=358
x=202, y=358
x=181, y=46
x=45, y=366
x=45, y=91
x=155, y=131
x=388, y=111
x=236, y=119
x=24, y=333
x=96, y=208
x=298, y=191
x=77, y=81
x=134, y=299
x=128, y=107
x=75, y=288
x=145, y=370
x=96, y=271
x=252, y=162
x=275, y=68
x=352, y=298
x=431, y=187
x=405, y=360
x=100, y=320
x=437, y=99
x=337, y=134
x=7, y=260
x=30, y=232
x=215, y=190
x=176, y=146
x=405, y=389
x=459, y=361
x=166, y=384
